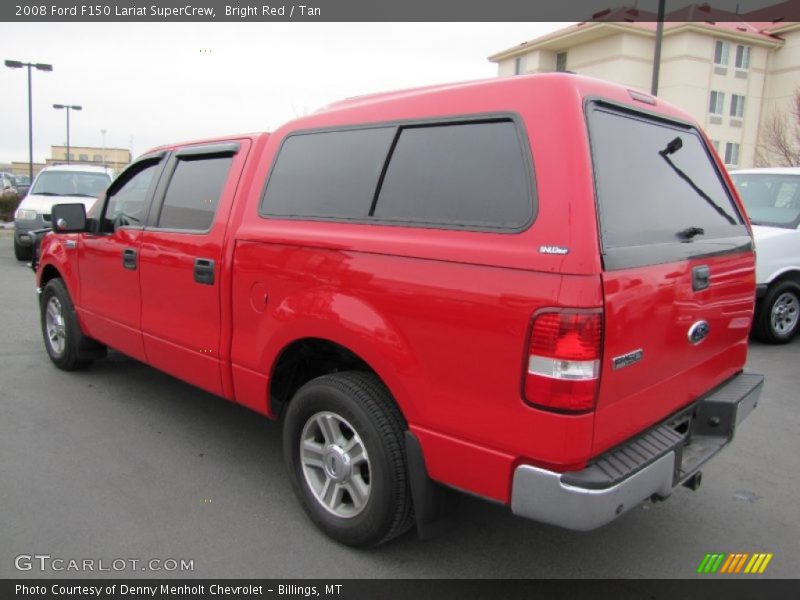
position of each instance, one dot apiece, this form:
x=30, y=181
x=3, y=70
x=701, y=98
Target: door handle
x=204, y=271
x=129, y=259
x=701, y=278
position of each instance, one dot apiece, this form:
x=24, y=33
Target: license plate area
x=712, y=422
x=694, y=434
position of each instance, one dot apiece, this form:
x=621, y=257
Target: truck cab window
x=126, y=205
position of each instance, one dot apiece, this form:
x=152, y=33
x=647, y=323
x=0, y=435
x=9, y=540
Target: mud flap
x=434, y=504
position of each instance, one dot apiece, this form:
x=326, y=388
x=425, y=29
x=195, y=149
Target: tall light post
x=103, y=133
x=657, y=52
x=15, y=64
x=68, y=107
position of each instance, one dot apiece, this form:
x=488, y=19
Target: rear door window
x=193, y=193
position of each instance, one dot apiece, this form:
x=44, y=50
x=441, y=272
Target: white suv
x=772, y=199
x=60, y=184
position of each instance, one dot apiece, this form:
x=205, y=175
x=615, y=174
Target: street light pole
x=15, y=64
x=30, y=126
x=657, y=53
x=68, y=107
x=103, y=132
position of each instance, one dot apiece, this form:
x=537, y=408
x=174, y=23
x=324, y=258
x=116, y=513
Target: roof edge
x=756, y=38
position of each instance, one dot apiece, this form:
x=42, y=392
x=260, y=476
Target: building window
x=561, y=61
x=70, y=156
x=716, y=103
x=743, y=57
x=83, y=157
x=737, y=106
x=715, y=143
x=97, y=158
x=519, y=65
x=721, y=51
x=731, y=154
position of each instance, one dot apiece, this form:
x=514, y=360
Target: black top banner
x=400, y=11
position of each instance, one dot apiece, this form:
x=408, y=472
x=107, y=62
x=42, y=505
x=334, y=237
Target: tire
x=778, y=315
x=352, y=479
x=22, y=252
x=63, y=339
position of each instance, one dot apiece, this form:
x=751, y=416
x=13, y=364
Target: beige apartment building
x=730, y=76
x=114, y=158
x=21, y=168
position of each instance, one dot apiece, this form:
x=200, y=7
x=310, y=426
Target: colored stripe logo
x=735, y=563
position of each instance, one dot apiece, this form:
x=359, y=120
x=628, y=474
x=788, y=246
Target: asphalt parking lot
x=121, y=461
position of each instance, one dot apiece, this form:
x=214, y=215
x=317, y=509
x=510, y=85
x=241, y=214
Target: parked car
x=10, y=176
x=7, y=186
x=536, y=289
x=57, y=184
x=23, y=185
x=772, y=200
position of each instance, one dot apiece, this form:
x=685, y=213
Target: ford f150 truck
x=535, y=289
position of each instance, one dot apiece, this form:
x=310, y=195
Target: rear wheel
x=22, y=252
x=343, y=446
x=779, y=315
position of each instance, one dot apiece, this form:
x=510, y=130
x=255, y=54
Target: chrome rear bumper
x=650, y=464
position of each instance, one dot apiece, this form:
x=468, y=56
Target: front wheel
x=22, y=252
x=343, y=446
x=60, y=329
x=779, y=315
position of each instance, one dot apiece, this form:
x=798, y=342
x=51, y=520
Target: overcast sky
x=150, y=84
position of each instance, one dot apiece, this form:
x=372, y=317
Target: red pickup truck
x=534, y=289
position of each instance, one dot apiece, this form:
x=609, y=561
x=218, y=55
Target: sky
x=149, y=84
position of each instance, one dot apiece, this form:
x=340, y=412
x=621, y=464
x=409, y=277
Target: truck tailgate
x=653, y=366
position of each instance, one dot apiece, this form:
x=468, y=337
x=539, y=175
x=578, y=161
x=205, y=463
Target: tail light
x=564, y=360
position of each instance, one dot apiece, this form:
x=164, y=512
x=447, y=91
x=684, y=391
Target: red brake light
x=567, y=335
x=564, y=360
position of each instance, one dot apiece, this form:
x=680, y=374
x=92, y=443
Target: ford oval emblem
x=698, y=332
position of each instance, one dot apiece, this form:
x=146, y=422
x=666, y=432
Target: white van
x=61, y=184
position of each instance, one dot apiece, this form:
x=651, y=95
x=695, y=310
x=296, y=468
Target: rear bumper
x=651, y=464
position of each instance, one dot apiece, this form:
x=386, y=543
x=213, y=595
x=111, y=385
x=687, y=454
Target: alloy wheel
x=335, y=464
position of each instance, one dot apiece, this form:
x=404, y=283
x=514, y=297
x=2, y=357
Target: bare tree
x=779, y=145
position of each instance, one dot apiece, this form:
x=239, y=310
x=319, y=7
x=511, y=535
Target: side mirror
x=69, y=218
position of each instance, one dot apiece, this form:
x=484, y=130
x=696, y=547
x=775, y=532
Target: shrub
x=8, y=205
